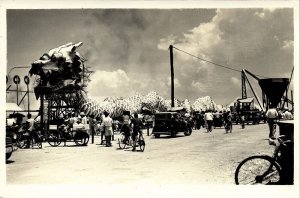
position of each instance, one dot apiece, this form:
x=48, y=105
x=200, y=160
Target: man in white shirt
x=208, y=116
x=107, y=122
x=272, y=115
x=78, y=126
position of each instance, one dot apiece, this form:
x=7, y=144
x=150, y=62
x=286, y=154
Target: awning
x=176, y=109
x=13, y=107
x=246, y=100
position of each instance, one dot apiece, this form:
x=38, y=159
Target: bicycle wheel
x=54, y=139
x=121, y=142
x=257, y=170
x=142, y=143
x=39, y=142
x=21, y=141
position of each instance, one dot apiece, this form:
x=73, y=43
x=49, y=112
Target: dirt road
x=205, y=158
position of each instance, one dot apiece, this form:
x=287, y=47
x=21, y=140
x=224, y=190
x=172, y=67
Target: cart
x=64, y=134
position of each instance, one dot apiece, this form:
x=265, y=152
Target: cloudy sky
x=128, y=48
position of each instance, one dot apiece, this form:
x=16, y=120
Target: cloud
x=235, y=81
x=176, y=82
x=260, y=40
x=199, y=86
x=112, y=84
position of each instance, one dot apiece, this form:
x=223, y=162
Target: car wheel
x=173, y=134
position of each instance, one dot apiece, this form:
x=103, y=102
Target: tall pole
x=172, y=75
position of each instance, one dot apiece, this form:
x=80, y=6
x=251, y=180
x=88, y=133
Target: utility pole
x=172, y=75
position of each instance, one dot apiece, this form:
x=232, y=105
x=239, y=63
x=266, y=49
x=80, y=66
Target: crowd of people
x=210, y=119
x=105, y=126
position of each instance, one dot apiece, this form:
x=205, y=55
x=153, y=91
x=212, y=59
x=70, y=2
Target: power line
x=208, y=61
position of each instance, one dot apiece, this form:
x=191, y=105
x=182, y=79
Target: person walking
x=208, y=116
x=136, y=129
x=228, y=121
x=107, y=122
x=272, y=116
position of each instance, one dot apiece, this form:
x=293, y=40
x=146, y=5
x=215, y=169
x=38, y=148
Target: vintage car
x=9, y=147
x=218, y=120
x=171, y=123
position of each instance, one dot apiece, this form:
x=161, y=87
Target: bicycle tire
x=39, y=143
x=21, y=142
x=247, y=167
x=54, y=139
x=142, y=143
x=121, y=142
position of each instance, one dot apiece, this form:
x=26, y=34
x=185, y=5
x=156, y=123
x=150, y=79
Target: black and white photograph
x=172, y=97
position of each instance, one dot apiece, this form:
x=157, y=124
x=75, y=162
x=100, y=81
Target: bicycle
x=140, y=141
x=267, y=170
x=64, y=134
x=33, y=138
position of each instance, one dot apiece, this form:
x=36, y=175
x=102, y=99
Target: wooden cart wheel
x=54, y=139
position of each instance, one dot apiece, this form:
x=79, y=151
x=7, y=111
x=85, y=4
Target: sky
x=128, y=48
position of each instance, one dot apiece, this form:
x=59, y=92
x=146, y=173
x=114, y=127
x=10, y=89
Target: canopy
x=13, y=107
x=246, y=100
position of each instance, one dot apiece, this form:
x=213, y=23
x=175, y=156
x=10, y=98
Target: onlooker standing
x=72, y=120
x=107, y=122
x=272, y=116
x=242, y=120
x=83, y=119
x=92, y=127
x=30, y=127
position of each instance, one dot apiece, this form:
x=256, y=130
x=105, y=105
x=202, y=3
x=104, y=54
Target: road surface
x=202, y=158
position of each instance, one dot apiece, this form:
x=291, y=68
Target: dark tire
x=173, y=134
x=40, y=145
x=257, y=170
x=121, y=142
x=21, y=141
x=142, y=143
x=81, y=138
x=54, y=139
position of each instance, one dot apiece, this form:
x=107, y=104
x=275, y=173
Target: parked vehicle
x=218, y=120
x=64, y=134
x=9, y=147
x=171, y=123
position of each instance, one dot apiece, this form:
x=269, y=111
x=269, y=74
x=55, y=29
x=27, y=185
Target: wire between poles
x=212, y=62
